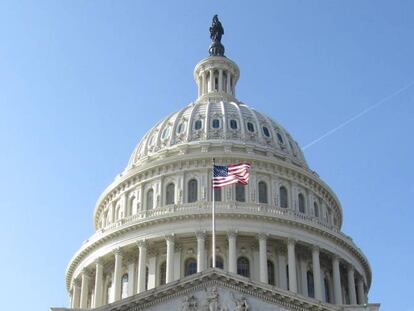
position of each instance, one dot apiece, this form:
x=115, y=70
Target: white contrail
x=357, y=116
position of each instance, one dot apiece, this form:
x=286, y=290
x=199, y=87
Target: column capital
x=99, y=261
x=316, y=248
x=170, y=238
x=232, y=233
x=142, y=243
x=350, y=268
x=291, y=241
x=200, y=235
x=280, y=249
x=76, y=282
x=262, y=236
x=117, y=252
x=335, y=257
x=86, y=273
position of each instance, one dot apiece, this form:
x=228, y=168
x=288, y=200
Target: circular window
x=198, y=124
x=266, y=131
x=233, y=124
x=215, y=124
x=250, y=126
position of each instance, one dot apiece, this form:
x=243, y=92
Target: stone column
x=316, y=269
x=76, y=294
x=142, y=259
x=228, y=86
x=336, y=280
x=117, y=274
x=84, y=290
x=220, y=80
x=211, y=89
x=199, y=83
x=361, y=291
x=281, y=261
x=231, y=235
x=203, y=83
x=170, y=258
x=263, y=258
x=304, y=276
x=351, y=285
x=293, y=287
x=98, y=283
x=201, y=250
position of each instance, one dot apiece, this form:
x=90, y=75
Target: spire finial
x=216, y=31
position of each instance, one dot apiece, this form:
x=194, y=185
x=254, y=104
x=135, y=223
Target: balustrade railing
x=204, y=207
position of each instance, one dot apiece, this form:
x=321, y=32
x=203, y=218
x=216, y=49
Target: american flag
x=232, y=174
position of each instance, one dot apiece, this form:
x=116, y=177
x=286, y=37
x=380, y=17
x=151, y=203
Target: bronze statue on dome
x=216, y=29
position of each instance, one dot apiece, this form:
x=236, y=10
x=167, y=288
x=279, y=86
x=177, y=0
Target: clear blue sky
x=82, y=81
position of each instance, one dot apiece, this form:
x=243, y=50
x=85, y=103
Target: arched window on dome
x=279, y=138
x=217, y=194
x=250, y=127
x=240, y=193
x=163, y=273
x=119, y=213
x=233, y=124
x=190, y=266
x=150, y=199
x=311, y=285
x=132, y=206
x=287, y=276
x=124, y=286
x=109, y=293
x=170, y=194
x=219, y=262
x=198, y=124
x=215, y=123
x=243, y=266
x=301, y=201
x=262, y=192
x=146, y=277
x=283, y=197
x=271, y=272
x=327, y=292
x=180, y=128
x=266, y=131
x=316, y=209
x=192, y=191
x=165, y=133
x=292, y=148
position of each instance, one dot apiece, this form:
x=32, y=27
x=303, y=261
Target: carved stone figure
x=189, y=303
x=241, y=303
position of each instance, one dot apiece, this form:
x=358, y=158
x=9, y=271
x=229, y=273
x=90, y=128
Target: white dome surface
x=213, y=121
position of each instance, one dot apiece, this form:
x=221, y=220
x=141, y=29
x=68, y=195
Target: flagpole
x=213, y=218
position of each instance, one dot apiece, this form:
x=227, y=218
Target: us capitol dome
x=279, y=244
